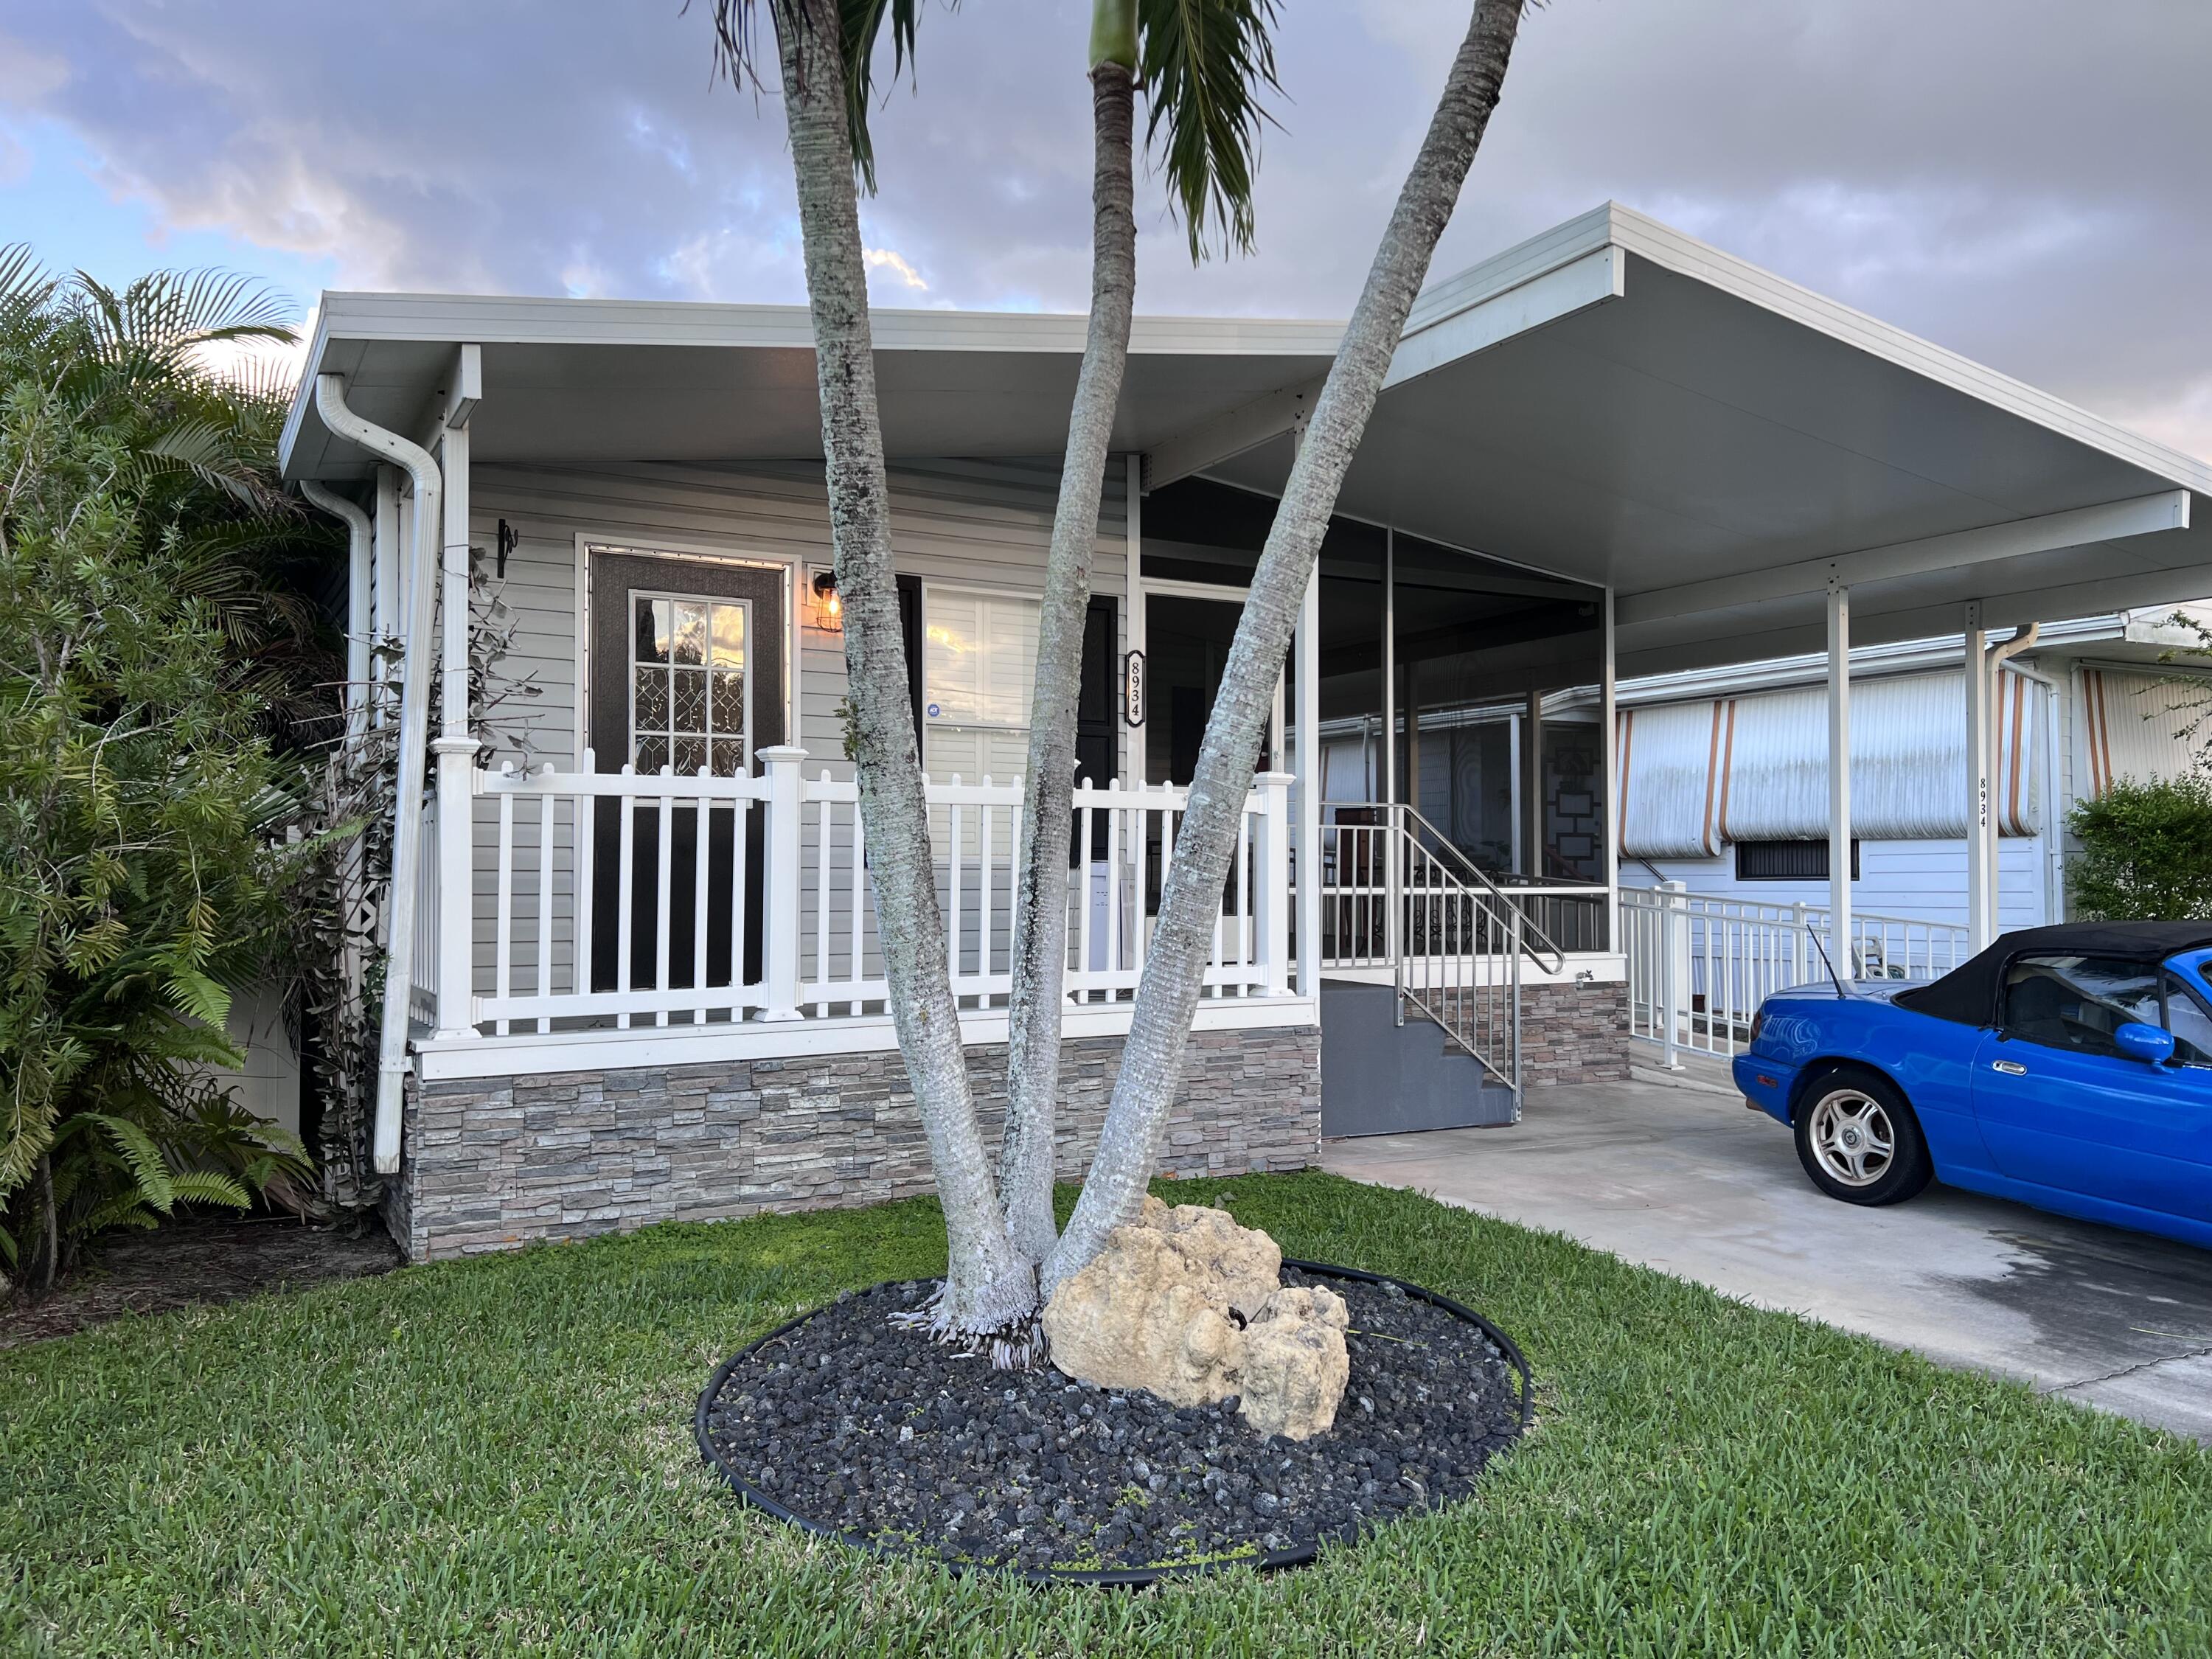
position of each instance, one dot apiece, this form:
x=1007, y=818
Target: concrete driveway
x=1687, y=1180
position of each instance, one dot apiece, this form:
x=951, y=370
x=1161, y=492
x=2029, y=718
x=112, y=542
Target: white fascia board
x=498, y=320
x=1460, y=319
x=2081, y=526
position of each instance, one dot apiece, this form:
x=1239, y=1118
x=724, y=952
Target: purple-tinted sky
x=2022, y=180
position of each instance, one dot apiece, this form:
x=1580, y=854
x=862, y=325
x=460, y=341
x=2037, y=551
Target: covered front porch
x=1611, y=447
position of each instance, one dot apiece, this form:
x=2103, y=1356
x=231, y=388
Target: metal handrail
x=1529, y=936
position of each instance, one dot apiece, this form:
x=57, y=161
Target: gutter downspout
x=358, y=622
x=428, y=535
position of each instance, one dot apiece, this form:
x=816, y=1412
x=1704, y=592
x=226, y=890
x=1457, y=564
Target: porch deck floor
x=1688, y=1181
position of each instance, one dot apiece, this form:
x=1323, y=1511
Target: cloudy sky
x=2027, y=181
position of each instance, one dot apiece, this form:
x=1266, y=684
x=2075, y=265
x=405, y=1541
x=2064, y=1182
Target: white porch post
x=1392, y=843
x=1307, y=766
x=1609, y=741
x=1272, y=855
x=1133, y=622
x=784, y=867
x=455, y=748
x=1980, y=932
x=1839, y=779
x=1532, y=786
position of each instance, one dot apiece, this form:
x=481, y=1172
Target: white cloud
x=892, y=260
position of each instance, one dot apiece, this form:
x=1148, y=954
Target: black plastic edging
x=1270, y=1562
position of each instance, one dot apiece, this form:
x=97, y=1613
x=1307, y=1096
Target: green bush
x=143, y=860
x=2146, y=852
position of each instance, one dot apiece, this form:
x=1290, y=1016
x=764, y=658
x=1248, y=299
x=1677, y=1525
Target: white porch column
x=1273, y=856
x=455, y=748
x=1532, y=786
x=1839, y=779
x=1392, y=843
x=1133, y=620
x=1979, y=881
x=1610, y=764
x=1307, y=766
x=779, y=887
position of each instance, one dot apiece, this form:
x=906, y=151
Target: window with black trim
x=2077, y=1002
x=1786, y=860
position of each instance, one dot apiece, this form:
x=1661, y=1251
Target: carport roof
x=1612, y=401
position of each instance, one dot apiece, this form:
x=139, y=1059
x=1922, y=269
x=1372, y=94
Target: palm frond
x=25, y=285
x=1204, y=66
x=738, y=49
x=166, y=313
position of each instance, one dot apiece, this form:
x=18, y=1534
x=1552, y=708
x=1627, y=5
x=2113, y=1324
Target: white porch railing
x=1396, y=894
x=1698, y=965
x=422, y=973
x=735, y=898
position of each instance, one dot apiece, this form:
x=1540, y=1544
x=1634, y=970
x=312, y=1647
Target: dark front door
x=687, y=672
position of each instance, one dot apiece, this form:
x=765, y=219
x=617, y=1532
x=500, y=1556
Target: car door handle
x=2010, y=1067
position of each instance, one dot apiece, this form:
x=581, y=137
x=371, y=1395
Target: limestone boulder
x=1190, y=1306
x=1295, y=1363
x=1243, y=1260
x=1145, y=1315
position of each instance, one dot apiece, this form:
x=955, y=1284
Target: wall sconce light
x=830, y=609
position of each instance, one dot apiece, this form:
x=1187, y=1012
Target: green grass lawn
x=495, y=1457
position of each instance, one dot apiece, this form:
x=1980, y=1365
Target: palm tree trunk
x=1166, y=997
x=989, y=1284
x=1039, y=951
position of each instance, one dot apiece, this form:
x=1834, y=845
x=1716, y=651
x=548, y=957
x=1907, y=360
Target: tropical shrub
x=145, y=867
x=2146, y=852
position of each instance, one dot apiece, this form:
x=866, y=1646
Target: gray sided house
x=632, y=947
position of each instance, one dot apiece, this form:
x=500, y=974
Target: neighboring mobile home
x=630, y=993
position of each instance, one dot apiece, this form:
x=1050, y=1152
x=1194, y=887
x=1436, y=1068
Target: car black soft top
x=1968, y=993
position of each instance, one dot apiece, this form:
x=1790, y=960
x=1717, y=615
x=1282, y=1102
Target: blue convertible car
x=2070, y=1067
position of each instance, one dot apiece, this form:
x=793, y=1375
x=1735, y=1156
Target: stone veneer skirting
x=492, y=1163
x=1574, y=1033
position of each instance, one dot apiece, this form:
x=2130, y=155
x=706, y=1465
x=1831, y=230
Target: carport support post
x=1839, y=779
x=1976, y=663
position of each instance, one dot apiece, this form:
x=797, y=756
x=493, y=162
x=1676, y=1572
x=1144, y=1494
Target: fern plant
x=143, y=863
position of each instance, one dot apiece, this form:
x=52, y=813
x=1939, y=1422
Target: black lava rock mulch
x=847, y=1423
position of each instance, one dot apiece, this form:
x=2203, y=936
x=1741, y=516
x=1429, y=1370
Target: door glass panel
x=2076, y=1003
x=2191, y=1025
x=685, y=714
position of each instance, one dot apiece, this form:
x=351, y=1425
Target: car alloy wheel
x=1852, y=1137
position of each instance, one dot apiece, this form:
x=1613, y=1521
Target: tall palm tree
x=1166, y=995
x=1203, y=62
x=824, y=48
x=1202, y=65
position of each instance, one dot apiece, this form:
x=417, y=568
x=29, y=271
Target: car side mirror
x=2150, y=1044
